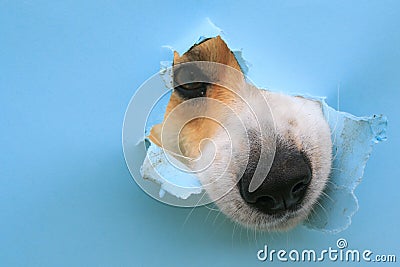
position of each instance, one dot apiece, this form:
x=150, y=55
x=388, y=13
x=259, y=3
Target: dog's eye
x=190, y=82
x=192, y=86
x=192, y=90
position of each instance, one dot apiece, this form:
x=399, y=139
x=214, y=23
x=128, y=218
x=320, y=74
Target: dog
x=263, y=157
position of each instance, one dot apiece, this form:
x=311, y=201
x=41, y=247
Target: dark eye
x=190, y=81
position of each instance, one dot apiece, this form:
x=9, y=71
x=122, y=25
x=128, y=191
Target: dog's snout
x=284, y=186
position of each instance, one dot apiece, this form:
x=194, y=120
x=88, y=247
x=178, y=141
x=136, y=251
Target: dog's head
x=235, y=134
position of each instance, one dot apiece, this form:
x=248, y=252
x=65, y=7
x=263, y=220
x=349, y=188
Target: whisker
x=322, y=207
x=341, y=170
x=208, y=215
x=233, y=231
x=211, y=208
x=327, y=196
x=191, y=211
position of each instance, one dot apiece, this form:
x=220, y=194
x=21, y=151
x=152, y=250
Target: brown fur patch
x=211, y=50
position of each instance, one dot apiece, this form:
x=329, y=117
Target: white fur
x=295, y=118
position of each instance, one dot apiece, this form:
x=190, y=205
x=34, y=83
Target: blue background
x=67, y=73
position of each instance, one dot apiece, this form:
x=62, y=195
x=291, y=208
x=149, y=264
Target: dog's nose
x=284, y=186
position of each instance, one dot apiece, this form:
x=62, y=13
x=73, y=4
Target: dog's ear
x=155, y=134
x=176, y=58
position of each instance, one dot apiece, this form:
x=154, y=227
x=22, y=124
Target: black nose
x=284, y=186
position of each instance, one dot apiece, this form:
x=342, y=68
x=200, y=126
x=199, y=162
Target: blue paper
x=352, y=138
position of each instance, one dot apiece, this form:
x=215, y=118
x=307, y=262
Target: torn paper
x=352, y=137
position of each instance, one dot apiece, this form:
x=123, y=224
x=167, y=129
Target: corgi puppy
x=263, y=157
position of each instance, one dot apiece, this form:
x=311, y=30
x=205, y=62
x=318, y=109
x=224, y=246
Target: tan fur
x=213, y=50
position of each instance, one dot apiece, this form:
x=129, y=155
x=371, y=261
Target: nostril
x=299, y=187
x=266, y=202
